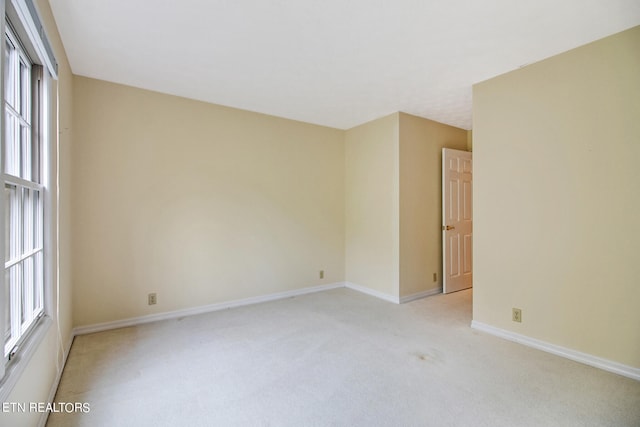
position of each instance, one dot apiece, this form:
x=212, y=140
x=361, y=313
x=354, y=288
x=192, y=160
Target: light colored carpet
x=336, y=358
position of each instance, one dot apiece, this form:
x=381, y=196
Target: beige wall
x=556, y=199
x=198, y=203
x=35, y=384
x=421, y=143
x=372, y=200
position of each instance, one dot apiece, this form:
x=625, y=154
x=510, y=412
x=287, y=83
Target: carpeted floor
x=335, y=358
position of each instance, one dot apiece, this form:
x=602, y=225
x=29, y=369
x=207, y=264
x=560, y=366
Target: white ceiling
x=336, y=63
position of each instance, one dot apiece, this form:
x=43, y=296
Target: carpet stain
x=434, y=357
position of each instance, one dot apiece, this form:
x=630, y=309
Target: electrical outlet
x=322, y=274
x=435, y=277
x=153, y=299
x=516, y=315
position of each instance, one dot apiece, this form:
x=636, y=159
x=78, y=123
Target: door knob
x=449, y=227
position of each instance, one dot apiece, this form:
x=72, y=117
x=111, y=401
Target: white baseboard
x=424, y=294
x=587, y=359
x=372, y=292
x=56, y=382
x=391, y=298
x=132, y=321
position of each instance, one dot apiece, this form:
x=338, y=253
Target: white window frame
x=27, y=28
x=25, y=263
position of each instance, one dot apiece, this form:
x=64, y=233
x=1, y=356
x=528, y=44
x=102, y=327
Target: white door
x=457, y=225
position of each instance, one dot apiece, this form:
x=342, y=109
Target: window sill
x=16, y=366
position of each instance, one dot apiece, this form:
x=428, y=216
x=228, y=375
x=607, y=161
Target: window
x=23, y=195
x=27, y=220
